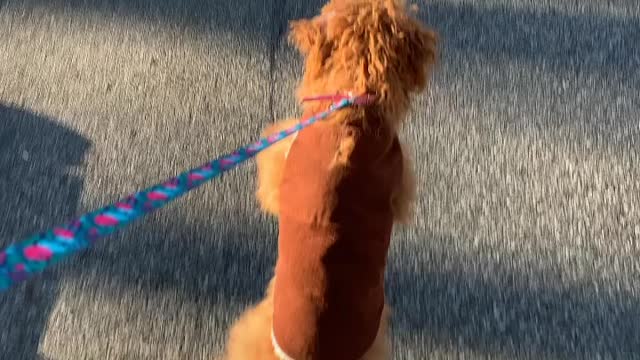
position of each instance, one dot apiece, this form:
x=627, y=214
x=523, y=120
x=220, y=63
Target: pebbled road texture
x=527, y=238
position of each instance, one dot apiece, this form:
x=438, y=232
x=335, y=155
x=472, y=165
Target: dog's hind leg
x=250, y=336
x=270, y=167
x=381, y=348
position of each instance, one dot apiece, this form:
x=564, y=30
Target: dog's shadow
x=39, y=186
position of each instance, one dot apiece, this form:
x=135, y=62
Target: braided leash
x=23, y=260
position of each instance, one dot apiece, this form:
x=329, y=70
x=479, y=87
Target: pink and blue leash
x=22, y=260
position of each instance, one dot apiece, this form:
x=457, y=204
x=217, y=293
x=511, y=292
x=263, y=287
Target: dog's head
x=373, y=46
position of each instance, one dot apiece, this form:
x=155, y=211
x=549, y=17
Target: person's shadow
x=40, y=187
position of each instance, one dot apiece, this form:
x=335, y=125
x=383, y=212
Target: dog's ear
x=417, y=44
x=421, y=51
x=304, y=34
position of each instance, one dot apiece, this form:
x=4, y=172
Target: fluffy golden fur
x=372, y=46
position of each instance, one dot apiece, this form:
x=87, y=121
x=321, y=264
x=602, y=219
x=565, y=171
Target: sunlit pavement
x=527, y=235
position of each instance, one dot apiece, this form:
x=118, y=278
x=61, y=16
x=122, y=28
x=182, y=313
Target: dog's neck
x=391, y=116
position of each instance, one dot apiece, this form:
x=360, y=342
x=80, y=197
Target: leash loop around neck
x=364, y=99
x=23, y=260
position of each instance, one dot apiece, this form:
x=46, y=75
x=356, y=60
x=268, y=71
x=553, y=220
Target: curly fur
x=373, y=46
x=270, y=167
x=358, y=46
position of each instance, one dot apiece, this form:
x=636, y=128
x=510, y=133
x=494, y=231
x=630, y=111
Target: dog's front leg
x=403, y=200
x=271, y=166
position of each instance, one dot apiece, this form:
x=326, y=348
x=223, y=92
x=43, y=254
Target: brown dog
x=338, y=187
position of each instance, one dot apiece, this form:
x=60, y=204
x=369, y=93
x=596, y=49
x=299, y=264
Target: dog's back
x=335, y=226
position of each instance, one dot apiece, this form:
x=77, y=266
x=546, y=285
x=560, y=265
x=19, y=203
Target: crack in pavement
x=278, y=30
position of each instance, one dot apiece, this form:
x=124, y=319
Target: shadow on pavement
x=216, y=262
x=501, y=312
x=201, y=274
x=38, y=189
x=580, y=43
x=192, y=14
x=603, y=45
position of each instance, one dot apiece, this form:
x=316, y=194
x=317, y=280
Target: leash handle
x=22, y=260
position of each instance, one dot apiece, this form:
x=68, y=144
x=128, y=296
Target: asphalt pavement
x=526, y=243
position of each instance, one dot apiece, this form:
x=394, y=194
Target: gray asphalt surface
x=527, y=238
